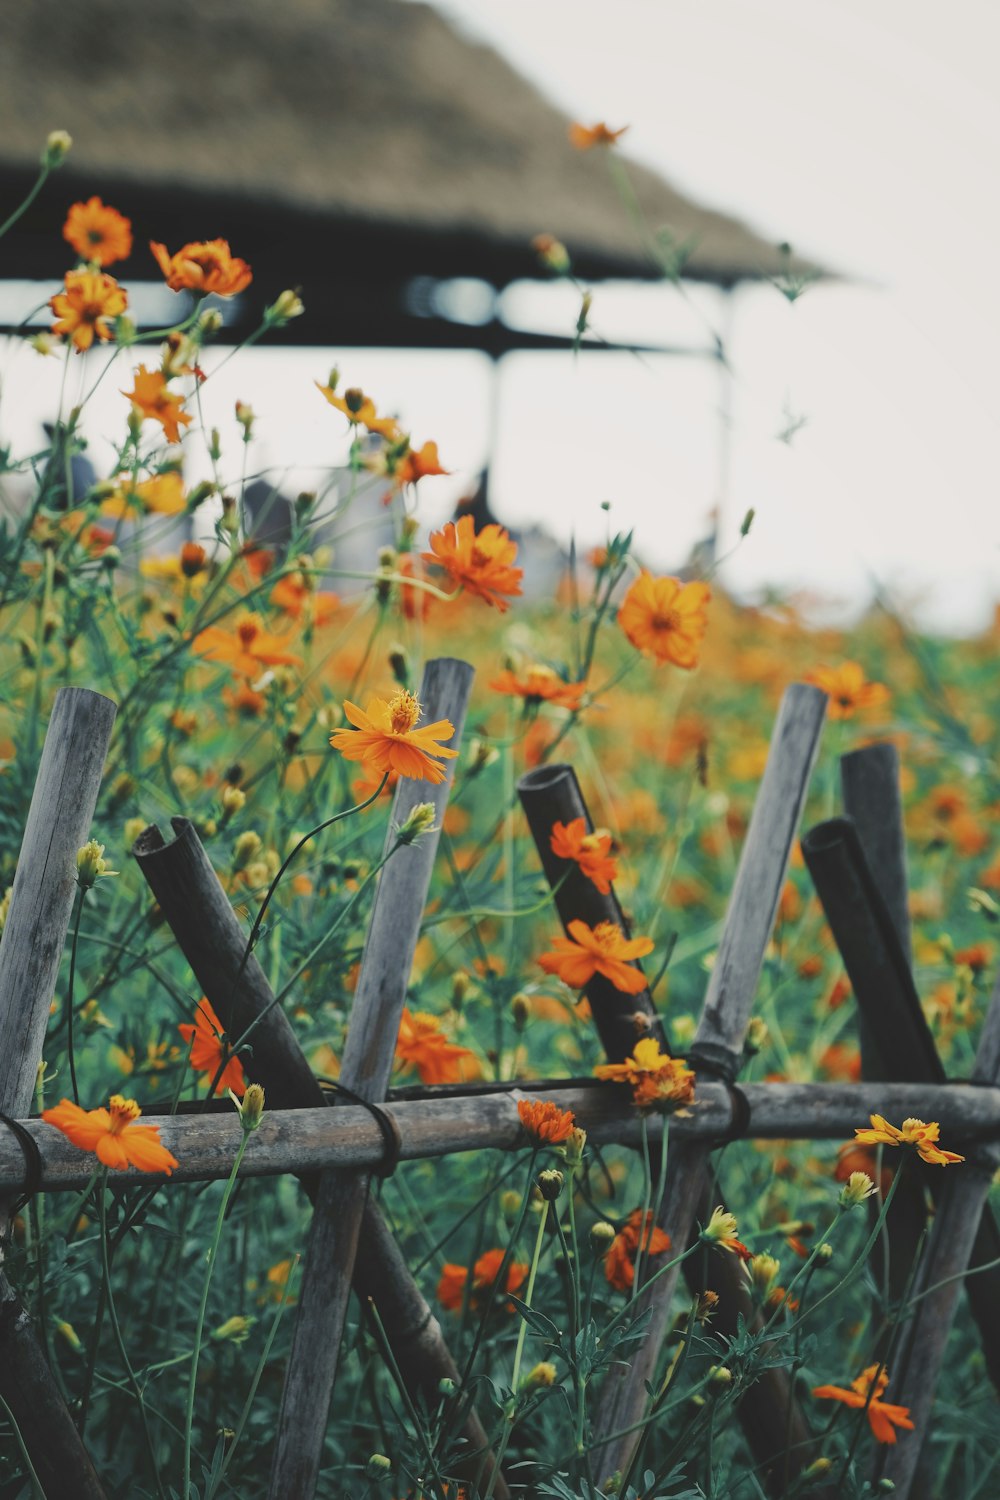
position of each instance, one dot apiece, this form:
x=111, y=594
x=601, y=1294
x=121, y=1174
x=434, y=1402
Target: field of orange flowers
x=260, y=695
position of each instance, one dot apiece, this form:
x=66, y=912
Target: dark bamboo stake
x=953, y=1237
x=393, y=930
x=870, y=789
x=771, y=1417
x=59, y=819
x=212, y=939
x=865, y=933
x=718, y=1044
x=552, y=795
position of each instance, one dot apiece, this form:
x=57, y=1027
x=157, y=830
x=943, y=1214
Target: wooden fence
x=857, y=864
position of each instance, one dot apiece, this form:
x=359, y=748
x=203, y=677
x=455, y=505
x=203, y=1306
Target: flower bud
x=45, y=343
x=235, y=1330
x=601, y=1236
x=399, y=663
x=419, y=820
x=459, y=988
x=747, y=522
x=818, y=1468
x=543, y=1374
x=233, y=800
x=285, y=307
x=573, y=1148
x=91, y=864
x=210, y=320
x=133, y=828
x=57, y=148
x=720, y=1377
x=552, y=253
x=192, y=559
x=707, y=1304
x=510, y=1203
x=446, y=1387
x=763, y=1270
x=758, y=1036
x=250, y=1107
x=68, y=1332
x=856, y=1189
x=824, y=1252
x=245, y=416
x=520, y=1009
x=550, y=1184
x=246, y=849
x=378, y=1467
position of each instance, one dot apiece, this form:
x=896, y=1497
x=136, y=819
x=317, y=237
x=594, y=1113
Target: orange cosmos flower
x=83, y=309
x=591, y=851
x=359, y=409
x=545, y=1122
x=113, y=1134
x=247, y=649
x=295, y=595
x=666, y=618
x=721, y=1230
x=210, y=1052
x=883, y=1417
x=451, y=1287
x=847, y=688
x=203, y=266
x=480, y=562
x=619, y=1263
x=386, y=738
x=418, y=463
x=656, y=1078
x=539, y=684
x=914, y=1133
x=422, y=1044
x=98, y=234
x=152, y=398
x=162, y=495
x=586, y=137
x=603, y=949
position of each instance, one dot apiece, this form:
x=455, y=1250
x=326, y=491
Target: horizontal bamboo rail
x=309, y=1140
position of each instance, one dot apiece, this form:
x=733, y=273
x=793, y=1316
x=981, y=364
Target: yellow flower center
x=591, y=842
x=404, y=711
x=123, y=1112
x=607, y=937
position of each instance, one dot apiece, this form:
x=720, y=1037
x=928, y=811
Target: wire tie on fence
x=721, y=1063
x=32, y=1162
x=392, y=1141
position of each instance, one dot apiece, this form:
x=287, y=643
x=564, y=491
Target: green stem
x=510, y=1414
x=119, y=1340
x=23, y=207
x=210, y=1259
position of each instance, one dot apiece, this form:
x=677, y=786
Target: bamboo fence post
x=869, y=780
x=187, y=889
x=393, y=930
x=59, y=820
x=864, y=930
x=770, y=1415
x=718, y=1044
x=956, y=1226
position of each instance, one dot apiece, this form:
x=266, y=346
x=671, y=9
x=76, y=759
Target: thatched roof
x=347, y=146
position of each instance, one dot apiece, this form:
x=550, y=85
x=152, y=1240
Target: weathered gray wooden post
x=59, y=822
x=718, y=1044
x=393, y=930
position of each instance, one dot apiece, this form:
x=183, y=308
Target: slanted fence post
x=183, y=880
x=59, y=822
x=718, y=1044
x=393, y=930
x=771, y=1417
x=952, y=1242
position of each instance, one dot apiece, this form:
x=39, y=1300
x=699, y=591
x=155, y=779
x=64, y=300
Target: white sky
x=867, y=133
